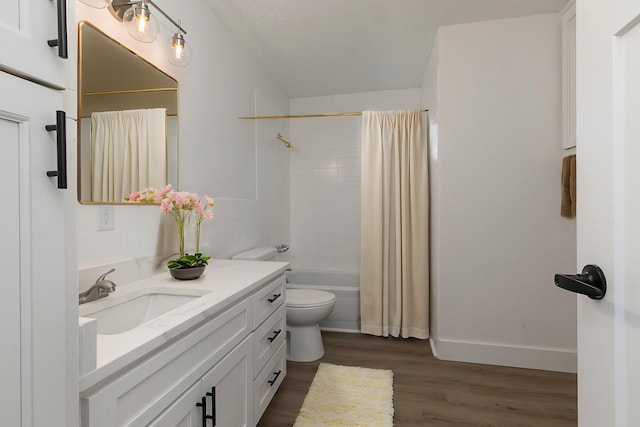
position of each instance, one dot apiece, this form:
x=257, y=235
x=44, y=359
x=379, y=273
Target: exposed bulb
x=180, y=53
x=141, y=24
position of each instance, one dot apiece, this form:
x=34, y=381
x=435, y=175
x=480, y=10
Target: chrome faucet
x=102, y=288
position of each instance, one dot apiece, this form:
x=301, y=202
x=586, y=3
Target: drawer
x=267, y=382
x=267, y=300
x=136, y=396
x=267, y=338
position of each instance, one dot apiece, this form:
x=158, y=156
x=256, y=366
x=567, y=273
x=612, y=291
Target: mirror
x=127, y=121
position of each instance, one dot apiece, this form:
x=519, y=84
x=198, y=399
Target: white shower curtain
x=394, y=260
x=129, y=152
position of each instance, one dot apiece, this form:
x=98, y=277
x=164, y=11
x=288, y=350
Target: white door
x=608, y=218
x=26, y=26
x=32, y=262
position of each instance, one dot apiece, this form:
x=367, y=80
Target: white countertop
x=227, y=280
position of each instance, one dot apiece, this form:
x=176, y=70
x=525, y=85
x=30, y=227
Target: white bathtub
x=345, y=316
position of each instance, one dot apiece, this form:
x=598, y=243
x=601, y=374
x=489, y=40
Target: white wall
x=237, y=162
x=496, y=89
x=325, y=177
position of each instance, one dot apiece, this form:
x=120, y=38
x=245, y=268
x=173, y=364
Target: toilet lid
x=308, y=297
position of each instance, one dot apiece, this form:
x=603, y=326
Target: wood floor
x=430, y=392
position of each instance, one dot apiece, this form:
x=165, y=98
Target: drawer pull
x=273, y=381
x=275, y=335
x=275, y=297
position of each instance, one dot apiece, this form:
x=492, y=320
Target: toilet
x=305, y=308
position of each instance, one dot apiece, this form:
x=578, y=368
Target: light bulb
x=98, y=4
x=140, y=23
x=180, y=53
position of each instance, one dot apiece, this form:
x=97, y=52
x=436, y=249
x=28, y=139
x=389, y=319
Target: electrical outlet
x=105, y=218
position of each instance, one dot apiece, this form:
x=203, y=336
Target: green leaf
x=188, y=261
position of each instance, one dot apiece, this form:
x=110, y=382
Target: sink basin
x=116, y=314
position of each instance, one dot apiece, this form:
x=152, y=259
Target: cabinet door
x=32, y=291
x=25, y=27
x=229, y=385
x=183, y=412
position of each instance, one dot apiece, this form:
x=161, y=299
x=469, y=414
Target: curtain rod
x=304, y=116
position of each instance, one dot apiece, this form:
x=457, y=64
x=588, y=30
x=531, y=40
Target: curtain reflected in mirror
x=129, y=152
x=128, y=122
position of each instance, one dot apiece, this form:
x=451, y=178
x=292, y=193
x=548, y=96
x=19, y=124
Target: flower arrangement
x=182, y=206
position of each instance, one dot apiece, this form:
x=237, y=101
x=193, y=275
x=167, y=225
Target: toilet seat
x=300, y=298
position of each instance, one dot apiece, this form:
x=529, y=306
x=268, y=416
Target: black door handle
x=212, y=417
x=203, y=404
x=61, y=148
x=61, y=41
x=591, y=282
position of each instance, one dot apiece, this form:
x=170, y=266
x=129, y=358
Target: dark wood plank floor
x=430, y=392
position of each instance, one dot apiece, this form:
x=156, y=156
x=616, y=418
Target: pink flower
x=180, y=205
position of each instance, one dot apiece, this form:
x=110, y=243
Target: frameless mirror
x=127, y=121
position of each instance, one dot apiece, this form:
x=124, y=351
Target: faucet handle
x=101, y=278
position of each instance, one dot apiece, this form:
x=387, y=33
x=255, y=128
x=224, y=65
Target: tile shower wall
x=325, y=193
x=325, y=177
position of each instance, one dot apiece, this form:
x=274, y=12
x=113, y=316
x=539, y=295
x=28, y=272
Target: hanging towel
x=568, y=205
x=572, y=184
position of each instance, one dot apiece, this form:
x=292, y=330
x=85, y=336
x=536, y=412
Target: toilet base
x=304, y=343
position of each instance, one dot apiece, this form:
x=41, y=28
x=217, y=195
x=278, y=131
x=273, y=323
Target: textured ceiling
x=328, y=47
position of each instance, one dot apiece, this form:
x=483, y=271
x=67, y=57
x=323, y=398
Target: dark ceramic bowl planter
x=188, y=267
x=187, y=273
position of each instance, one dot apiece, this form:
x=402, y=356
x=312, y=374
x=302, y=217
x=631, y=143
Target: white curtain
x=394, y=260
x=129, y=152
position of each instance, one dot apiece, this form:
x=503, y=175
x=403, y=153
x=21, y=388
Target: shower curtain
x=394, y=255
x=129, y=152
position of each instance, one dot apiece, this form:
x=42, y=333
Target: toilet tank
x=257, y=254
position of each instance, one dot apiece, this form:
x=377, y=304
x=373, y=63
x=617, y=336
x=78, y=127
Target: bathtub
x=345, y=316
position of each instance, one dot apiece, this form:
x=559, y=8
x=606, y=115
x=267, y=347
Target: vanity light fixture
x=98, y=4
x=143, y=26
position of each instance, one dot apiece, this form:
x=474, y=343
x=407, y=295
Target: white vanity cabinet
x=33, y=304
x=222, y=372
x=221, y=398
x=26, y=26
x=269, y=347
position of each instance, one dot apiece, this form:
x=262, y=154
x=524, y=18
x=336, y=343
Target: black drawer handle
x=273, y=381
x=275, y=297
x=61, y=41
x=275, y=335
x=61, y=142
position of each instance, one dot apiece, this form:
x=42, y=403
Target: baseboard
x=434, y=350
x=514, y=356
x=347, y=330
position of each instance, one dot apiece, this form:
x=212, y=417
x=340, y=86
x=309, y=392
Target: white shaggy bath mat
x=345, y=396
